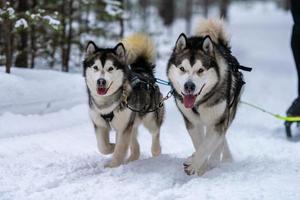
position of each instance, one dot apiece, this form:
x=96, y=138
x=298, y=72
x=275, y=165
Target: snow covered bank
x=29, y=91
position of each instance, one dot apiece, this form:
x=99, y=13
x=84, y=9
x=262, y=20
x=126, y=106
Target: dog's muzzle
x=189, y=97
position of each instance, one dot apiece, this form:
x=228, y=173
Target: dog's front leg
x=102, y=136
x=197, y=134
x=227, y=157
x=222, y=154
x=121, y=148
x=198, y=163
x=134, y=146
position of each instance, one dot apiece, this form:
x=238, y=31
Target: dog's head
x=104, y=69
x=192, y=68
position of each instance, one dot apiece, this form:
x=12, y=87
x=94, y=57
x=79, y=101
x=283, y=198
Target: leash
x=277, y=116
x=288, y=120
x=162, y=82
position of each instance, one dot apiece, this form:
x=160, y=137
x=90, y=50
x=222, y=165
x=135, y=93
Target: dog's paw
x=191, y=167
x=112, y=164
x=156, y=150
x=133, y=157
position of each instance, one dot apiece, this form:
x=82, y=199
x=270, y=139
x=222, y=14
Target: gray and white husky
x=207, y=88
x=107, y=72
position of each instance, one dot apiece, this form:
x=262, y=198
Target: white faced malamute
x=109, y=74
x=207, y=86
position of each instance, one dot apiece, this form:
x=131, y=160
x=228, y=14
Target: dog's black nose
x=189, y=87
x=101, y=82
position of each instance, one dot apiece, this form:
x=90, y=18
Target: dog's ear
x=120, y=51
x=90, y=48
x=207, y=45
x=181, y=42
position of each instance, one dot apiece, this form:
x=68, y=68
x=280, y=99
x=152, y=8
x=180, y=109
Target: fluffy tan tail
x=139, y=46
x=215, y=28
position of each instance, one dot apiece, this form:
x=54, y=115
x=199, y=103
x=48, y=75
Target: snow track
x=51, y=154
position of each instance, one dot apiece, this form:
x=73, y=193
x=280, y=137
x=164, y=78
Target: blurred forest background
x=53, y=33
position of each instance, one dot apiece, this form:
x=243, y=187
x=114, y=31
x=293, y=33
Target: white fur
x=210, y=147
x=178, y=78
x=114, y=78
x=135, y=45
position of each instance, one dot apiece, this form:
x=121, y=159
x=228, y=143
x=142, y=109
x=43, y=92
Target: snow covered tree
x=17, y=26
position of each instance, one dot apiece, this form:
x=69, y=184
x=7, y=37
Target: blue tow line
x=162, y=82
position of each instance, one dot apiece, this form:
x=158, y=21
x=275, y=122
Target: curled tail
x=139, y=47
x=214, y=28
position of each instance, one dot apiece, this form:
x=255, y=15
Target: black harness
x=108, y=117
x=235, y=67
x=142, y=85
x=145, y=93
x=141, y=82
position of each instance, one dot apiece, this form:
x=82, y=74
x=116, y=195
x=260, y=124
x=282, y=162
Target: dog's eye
x=110, y=69
x=200, y=71
x=95, y=67
x=182, y=69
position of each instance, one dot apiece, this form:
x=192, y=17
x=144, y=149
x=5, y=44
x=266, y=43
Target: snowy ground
x=48, y=149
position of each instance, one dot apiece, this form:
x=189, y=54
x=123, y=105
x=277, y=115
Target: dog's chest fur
x=208, y=115
x=119, y=121
x=104, y=105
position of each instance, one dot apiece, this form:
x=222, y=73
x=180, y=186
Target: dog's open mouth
x=103, y=90
x=189, y=99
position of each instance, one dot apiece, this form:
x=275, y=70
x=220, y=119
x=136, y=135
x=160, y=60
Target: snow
x=40, y=91
x=50, y=152
x=11, y=11
x=21, y=23
x=7, y=11
x=53, y=22
x=113, y=7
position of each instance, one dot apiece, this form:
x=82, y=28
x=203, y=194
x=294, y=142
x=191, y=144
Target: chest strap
x=108, y=117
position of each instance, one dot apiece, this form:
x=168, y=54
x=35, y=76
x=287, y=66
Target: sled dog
x=207, y=84
x=108, y=75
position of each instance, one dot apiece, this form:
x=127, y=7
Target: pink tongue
x=101, y=91
x=189, y=100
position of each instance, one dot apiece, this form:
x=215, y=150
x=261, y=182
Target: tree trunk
x=205, y=8
x=144, y=4
x=224, y=9
x=63, y=34
x=22, y=56
x=69, y=37
x=87, y=21
x=167, y=11
x=122, y=20
x=188, y=15
x=8, y=40
x=33, y=39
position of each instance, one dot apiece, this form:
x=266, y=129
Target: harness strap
x=108, y=117
x=247, y=69
x=237, y=92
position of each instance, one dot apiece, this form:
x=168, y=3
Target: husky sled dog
x=207, y=85
x=108, y=73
